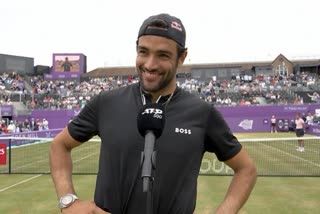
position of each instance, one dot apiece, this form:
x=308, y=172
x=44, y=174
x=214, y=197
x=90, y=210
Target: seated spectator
x=11, y=127
x=309, y=119
x=292, y=126
x=3, y=127
x=45, y=124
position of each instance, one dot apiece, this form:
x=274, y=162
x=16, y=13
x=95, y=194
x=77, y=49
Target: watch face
x=67, y=199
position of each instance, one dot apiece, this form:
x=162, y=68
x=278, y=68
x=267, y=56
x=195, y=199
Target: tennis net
x=272, y=156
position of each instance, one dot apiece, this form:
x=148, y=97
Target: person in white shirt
x=300, y=129
x=309, y=118
x=45, y=124
x=273, y=121
x=11, y=127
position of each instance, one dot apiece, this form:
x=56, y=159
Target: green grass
x=270, y=195
x=34, y=193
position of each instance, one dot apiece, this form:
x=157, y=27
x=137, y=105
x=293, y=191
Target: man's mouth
x=151, y=76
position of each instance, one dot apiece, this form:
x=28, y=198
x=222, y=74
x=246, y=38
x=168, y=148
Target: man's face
x=157, y=63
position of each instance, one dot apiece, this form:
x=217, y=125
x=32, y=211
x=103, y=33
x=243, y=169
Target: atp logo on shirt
x=183, y=131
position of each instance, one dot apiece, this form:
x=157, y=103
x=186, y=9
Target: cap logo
x=176, y=25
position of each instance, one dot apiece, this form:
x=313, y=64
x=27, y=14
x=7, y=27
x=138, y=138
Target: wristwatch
x=67, y=200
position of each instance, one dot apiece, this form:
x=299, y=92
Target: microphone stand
x=148, y=161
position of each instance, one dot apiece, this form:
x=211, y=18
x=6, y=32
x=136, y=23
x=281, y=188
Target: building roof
x=187, y=68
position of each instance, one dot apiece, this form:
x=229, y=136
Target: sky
x=218, y=31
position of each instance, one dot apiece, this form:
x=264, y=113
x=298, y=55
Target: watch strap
x=63, y=204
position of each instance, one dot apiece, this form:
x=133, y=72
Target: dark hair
x=180, y=50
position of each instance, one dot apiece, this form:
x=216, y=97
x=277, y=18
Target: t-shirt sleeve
x=84, y=126
x=219, y=138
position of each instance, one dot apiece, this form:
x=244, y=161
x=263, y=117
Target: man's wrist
x=67, y=200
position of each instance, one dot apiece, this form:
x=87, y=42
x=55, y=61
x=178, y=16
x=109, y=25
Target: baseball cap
x=164, y=25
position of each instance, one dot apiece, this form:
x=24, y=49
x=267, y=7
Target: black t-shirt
x=192, y=127
x=66, y=66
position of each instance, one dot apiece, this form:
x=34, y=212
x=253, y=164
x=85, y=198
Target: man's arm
x=61, y=163
x=61, y=172
x=245, y=176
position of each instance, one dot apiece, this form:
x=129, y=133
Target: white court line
x=29, y=179
x=21, y=182
x=294, y=156
x=85, y=157
x=306, y=148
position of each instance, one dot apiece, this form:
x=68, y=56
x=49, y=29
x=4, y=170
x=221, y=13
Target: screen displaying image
x=66, y=63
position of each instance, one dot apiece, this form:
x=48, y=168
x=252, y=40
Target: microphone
x=151, y=120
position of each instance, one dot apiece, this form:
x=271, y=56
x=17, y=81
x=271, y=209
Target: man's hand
x=244, y=179
x=83, y=207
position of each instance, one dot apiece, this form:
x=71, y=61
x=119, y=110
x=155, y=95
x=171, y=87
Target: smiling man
x=192, y=128
x=160, y=51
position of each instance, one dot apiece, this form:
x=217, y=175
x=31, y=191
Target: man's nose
x=151, y=63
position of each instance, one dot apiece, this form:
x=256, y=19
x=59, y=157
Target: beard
x=161, y=84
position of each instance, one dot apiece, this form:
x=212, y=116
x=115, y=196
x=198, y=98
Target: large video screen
x=67, y=63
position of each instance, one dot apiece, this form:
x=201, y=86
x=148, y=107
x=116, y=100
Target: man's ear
x=183, y=57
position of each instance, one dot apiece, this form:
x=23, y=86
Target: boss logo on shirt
x=183, y=131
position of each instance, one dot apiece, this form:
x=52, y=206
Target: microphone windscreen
x=151, y=118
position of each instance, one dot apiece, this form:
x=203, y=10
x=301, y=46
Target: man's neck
x=156, y=95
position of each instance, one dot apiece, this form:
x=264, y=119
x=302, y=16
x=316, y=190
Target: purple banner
x=4, y=138
x=56, y=118
x=257, y=118
x=240, y=119
x=60, y=75
x=313, y=129
x=36, y=134
x=6, y=110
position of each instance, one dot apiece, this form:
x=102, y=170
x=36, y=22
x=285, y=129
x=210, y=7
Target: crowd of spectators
x=246, y=90
x=39, y=93
x=23, y=126
x=69, y=94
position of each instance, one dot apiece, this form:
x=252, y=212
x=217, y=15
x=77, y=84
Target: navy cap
x=164, y=25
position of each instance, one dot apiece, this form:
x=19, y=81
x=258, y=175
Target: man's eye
x=142, y=52
x=164, y=56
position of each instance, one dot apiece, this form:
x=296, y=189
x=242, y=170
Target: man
x=32, y=124
x=113, y=116
x=66, y=65
x=45, y=124
x=300, y=129
x=273, y=121
x=11, y=127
